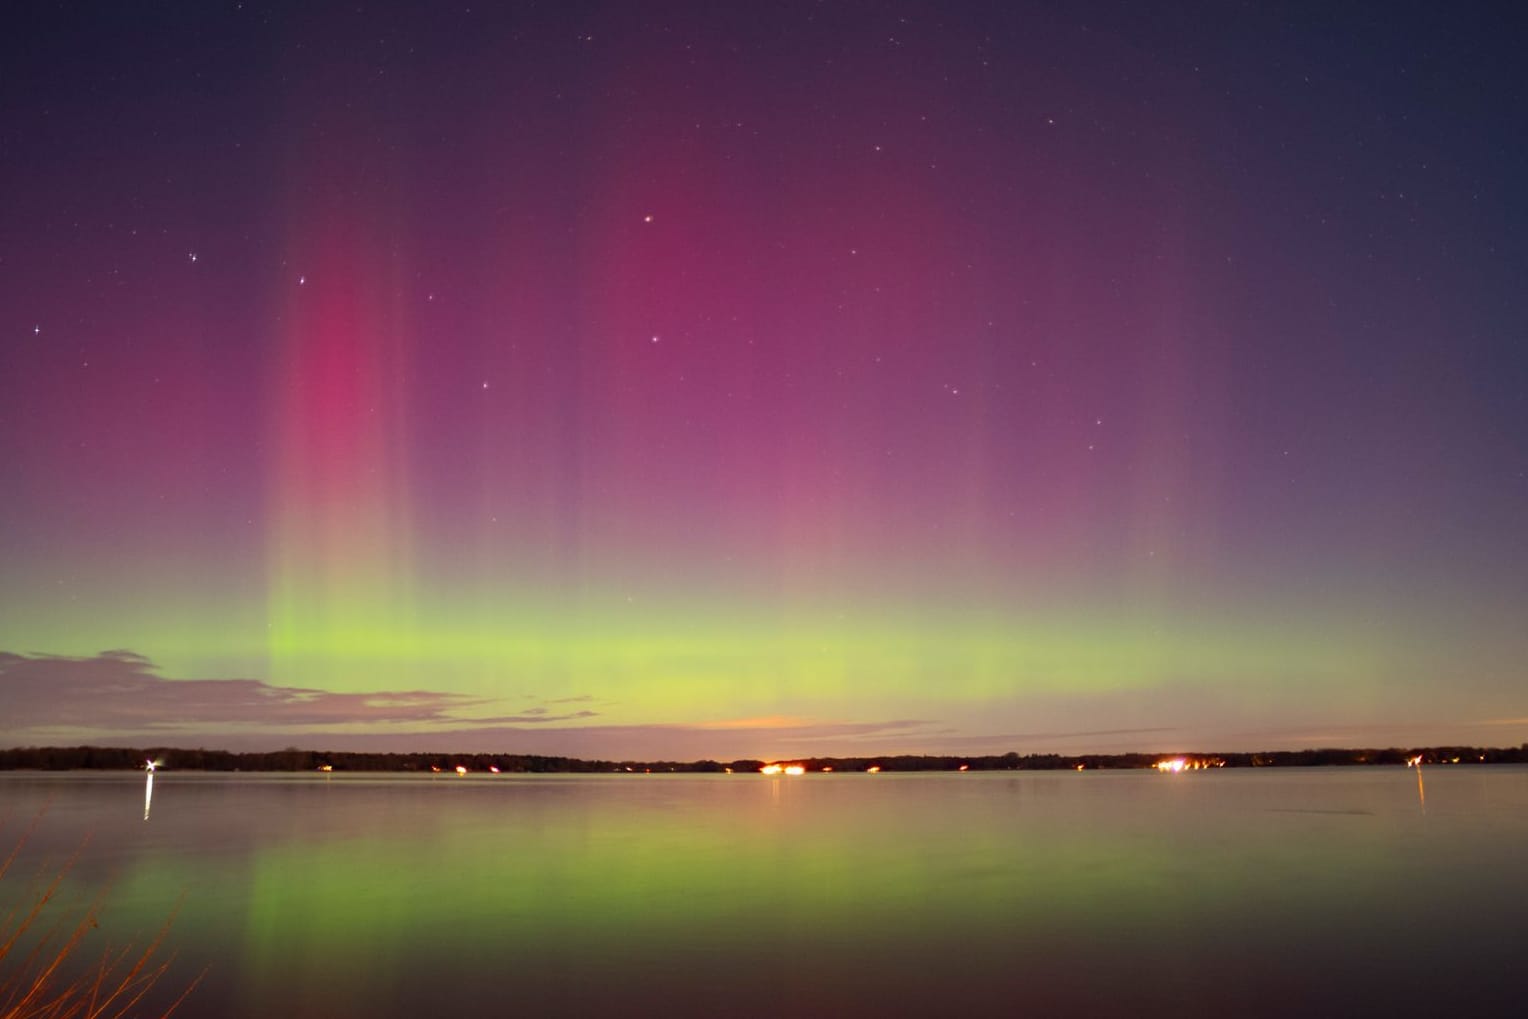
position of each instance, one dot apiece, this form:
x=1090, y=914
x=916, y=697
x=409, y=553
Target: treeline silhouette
x=293, y=759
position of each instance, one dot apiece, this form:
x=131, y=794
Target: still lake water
x=1270, y=892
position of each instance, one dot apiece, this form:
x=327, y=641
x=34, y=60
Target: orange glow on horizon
x=761, y=722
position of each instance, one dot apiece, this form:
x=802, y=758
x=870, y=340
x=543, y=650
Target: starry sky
x=709, y=379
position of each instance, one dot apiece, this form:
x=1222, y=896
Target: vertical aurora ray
x=340, y=547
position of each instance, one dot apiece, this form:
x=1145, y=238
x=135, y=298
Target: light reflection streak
x=148, y=788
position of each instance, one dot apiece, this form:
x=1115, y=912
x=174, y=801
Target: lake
x=1258, y=892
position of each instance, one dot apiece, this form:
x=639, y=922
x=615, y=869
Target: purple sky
x=715, y=379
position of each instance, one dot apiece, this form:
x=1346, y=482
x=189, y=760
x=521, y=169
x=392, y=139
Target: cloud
x=899, y=728
x=119, y=691
x=118, y=698
x=533, y=717
x=1042, y=735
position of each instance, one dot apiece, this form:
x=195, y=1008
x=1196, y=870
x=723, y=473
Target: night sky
x=774, y=378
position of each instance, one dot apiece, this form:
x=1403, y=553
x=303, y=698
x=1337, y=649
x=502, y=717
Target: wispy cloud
x=120, y=691
x=119, y=697
x=533, y=716
x=1012, y=740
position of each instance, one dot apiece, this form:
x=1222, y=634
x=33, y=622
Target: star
x=302, y=281
x=37, y=330
x=192, y=256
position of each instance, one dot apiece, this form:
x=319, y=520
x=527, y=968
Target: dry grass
x=37, y=979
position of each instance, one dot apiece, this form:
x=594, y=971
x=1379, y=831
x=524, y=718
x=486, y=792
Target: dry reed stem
x=110, y=989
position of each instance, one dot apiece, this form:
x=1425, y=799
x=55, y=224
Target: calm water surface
x=1255, y=892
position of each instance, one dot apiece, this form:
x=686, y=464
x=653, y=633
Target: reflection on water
x=1258, y=892
x=148, y=787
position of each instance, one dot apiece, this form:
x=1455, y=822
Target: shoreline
x=93, y=758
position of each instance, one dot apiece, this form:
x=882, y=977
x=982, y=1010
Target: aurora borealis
x=715, y=379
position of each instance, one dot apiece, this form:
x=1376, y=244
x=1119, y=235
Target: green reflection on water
x=819, y=892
